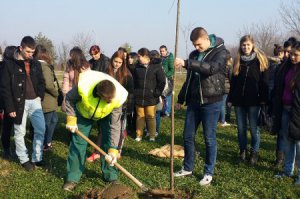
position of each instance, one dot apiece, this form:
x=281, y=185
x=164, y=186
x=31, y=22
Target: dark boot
x=7, y=154
x=243, y=156
x=279, y=159
x=253, y=157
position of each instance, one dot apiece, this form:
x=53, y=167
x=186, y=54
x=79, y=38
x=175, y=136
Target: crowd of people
x=129, y=92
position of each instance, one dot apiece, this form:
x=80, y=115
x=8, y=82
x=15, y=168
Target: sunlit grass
x=230, y=180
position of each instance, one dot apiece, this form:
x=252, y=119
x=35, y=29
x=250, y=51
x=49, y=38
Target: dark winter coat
x=101, y=64
x=274, y=63
x=13, y=81
x=49, y=103
x=205, y=79
x=131, y=67
x=277, y=105
x=149, y=82
x=1, y=72
x=294, y=125
x=250, y=86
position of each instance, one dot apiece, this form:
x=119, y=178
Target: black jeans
x=6, y=131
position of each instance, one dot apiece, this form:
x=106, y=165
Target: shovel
x=145, y=189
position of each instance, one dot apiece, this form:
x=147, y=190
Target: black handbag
x=264, y=119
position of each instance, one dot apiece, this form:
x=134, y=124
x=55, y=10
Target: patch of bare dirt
x=114, y=191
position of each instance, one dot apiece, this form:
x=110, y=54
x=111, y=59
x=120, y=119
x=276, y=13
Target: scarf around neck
x=248, y=58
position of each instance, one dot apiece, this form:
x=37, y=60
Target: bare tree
x=186, y=30
x=290, y=15
x=84, y=41
x=63, y=55
x=265, y=35
x=233, y=49
x=3, y=45
x=47, y=43
x=127, y=46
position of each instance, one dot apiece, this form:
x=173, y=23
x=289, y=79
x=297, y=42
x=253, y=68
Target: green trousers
x=77, y=150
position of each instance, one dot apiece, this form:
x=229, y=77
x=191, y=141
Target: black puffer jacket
x=250, y=86
x=294, y=125
x=205, y=79
x=149, y=82
x=101, y=64
x=13, y=85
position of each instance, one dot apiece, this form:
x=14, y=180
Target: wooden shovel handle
x=131, y=177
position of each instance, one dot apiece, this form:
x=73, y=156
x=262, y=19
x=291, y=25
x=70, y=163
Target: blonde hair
x=263, y=61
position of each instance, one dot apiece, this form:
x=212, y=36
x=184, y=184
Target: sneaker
x=28, y=166
x=152, y=139
x=206, y=180
x=147, y=134
x=182, y=173
x=165, y=114
x=225, y=124
x=69, y=186
x=93, y=157
x=138, y=139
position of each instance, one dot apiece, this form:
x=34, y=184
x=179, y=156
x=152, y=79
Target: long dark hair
x=41, y=53
x=78, y=62
x=122, y=72
x=9, y=52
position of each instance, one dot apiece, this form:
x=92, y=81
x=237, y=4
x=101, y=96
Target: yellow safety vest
x=86, y=84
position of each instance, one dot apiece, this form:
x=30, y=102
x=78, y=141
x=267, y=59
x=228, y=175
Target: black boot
x=243, y=156
x=279, y=159
x=253, y=157
x=7, y=154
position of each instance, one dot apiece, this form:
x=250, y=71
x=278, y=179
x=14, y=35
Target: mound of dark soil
x=114, y=191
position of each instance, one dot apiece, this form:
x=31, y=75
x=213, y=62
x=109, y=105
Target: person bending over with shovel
x=98, y=97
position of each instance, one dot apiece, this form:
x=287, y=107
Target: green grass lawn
x=230, y=180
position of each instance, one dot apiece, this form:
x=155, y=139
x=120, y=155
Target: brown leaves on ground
x=164, y=151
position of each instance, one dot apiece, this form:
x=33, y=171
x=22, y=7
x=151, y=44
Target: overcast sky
x=141, y=23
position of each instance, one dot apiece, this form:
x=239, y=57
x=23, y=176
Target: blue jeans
x=242, y=114
x=222, y=113
x=208, y=114
x=290, y=147
x=51, y=121
x=292, y=154
x=168, y=104
x=283, y=133
x=157, y=117
x=32, y=109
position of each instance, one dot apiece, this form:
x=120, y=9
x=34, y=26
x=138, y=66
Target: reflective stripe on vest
x=86, y=84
